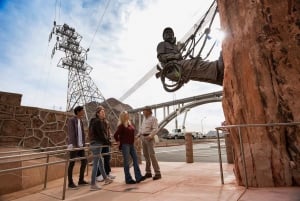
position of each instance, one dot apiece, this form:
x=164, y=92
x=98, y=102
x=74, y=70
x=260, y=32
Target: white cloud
x=122, y=51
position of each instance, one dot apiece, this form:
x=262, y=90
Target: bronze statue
x=183, y=70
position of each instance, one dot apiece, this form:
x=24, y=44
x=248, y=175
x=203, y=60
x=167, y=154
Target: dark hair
x=78, y=109
x=98, y=109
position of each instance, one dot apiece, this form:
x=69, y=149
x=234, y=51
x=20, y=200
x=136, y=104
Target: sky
x=122, y=36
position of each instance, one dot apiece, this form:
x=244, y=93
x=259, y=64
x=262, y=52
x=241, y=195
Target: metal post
x=46, y=171
x=220, y=157
x=66, y=173
x=87, y=164
x=243, y=156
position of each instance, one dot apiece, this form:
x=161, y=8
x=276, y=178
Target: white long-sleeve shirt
x=149, y=126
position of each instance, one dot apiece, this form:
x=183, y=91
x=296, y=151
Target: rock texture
x=261, y=85
x=28, y=126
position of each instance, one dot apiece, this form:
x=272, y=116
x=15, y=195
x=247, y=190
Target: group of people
x=168, y=53
x=99, y=138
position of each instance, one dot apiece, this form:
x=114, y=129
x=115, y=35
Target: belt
x=146, y=134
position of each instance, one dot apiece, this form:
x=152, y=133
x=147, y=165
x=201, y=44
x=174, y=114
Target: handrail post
x=87, y=164
x=66, y=172
x=46, y=172
x=243, y=156
x=220, y=157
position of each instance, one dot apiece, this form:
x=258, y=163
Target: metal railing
x=239, y=127
x=42, y=153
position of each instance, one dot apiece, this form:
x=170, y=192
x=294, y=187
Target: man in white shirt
x=76, y=139
x=148, y=130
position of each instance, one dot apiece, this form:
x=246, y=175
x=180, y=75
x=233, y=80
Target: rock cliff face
x=262, y=85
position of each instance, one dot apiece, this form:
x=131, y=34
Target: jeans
x=128, y=151
x=74, y=154
x=97, y=161
x=106, y=159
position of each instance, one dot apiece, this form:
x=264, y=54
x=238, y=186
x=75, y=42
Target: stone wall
x=30, y=127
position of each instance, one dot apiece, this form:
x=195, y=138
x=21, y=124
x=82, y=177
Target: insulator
x=50, y=36
x=65, y=26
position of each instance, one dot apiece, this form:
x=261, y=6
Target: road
x=206, y=151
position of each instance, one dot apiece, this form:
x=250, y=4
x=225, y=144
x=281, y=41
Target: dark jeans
x=128, y=152
x=75, y=154
x=106, y=160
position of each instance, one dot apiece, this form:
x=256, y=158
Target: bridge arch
x=180, y=110
x=183, y=104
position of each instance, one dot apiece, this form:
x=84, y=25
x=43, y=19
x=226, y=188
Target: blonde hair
x=123, y=120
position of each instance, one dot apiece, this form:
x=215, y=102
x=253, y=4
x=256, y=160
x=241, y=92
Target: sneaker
x=131, y=182
x=107, y=181
x=111, y=176
x=157, y=176
x=100, y=178
x=143, y=178
x=148, y=175
x=83, y=183
x=95, y=187
x=73, y=186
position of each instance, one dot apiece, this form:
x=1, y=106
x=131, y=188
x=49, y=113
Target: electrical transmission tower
x=81, y=88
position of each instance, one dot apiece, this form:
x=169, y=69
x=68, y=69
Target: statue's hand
x=178, y=56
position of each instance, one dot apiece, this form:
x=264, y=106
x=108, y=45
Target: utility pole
x=202, y=124
x=81, y=88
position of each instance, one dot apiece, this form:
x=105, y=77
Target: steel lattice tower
x=81, y=88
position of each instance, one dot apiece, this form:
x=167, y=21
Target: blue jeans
x=128, y=151
x=97, y=161
x=106, y=159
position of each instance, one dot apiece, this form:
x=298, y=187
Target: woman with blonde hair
x=125, y=137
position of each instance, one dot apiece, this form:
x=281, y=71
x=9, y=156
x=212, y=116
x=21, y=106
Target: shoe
x=100, y=178
x=157, y=176
x=131, y=182
x=148, y=175
x=73, y=186
x=83, y=183
x=111, y=176
x=143, y=178
x=95, y=187
x=107, y=181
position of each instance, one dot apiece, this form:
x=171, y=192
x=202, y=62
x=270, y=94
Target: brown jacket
x=73, y=132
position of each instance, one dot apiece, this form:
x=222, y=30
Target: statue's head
x=168, y=35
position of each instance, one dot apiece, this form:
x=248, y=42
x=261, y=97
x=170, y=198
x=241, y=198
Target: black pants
x=106, y=159
x=74, y=154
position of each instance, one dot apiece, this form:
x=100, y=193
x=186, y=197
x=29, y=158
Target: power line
x=99, y=23
x=55, y=11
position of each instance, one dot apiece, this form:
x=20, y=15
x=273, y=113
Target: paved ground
x=181, y=181
x=203, y=151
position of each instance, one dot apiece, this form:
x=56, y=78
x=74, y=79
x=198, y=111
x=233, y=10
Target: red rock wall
x=261, y=85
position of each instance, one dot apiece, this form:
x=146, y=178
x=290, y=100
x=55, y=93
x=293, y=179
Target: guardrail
x=239, y=127
x=25, y=155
